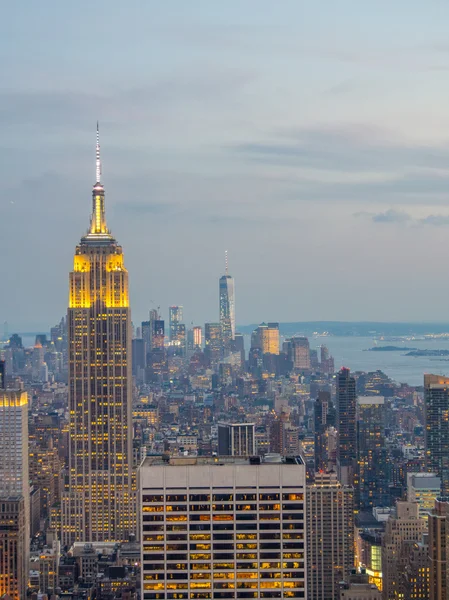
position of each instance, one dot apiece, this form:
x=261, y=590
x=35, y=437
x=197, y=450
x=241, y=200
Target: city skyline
x=209, y=138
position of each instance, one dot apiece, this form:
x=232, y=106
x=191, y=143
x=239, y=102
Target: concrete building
x=49, y=567
x=423, y=488
x=14, y=494
x=404, y=525
x=439, y=550
x=14, y=470
x=359, y=588
x=222, y=527
x=236, y=439
x=330, y=536
x=300, y=353
x=14, y=543
x=416, y=575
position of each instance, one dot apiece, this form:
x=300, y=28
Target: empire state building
x=98, y=500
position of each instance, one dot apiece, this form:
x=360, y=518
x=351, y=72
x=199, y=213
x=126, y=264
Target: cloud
x=401, y=217
x=435, y=220
x=391, y=216
x=352, y=162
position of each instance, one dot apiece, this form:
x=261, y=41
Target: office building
x=358, y=587
x=372, y=468
x=300, y=353
x=330, y=536
x=416, y=574
x=266, y=338
x=227, y=309
x=14, y=547
x=194, y=338
x=404, y=525
x=324, y=417
x=212, y=341
x=222, y=528
x=236, y=439
x=423, y=488
x=14, y=471
x=157, y=334
x=438, y=522
x=436, y=410
x=346, y=400
x=174, y=320
x=146, y=334
x=99, y=503
x=239, y=346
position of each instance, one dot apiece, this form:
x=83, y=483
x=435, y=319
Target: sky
x=309, y=139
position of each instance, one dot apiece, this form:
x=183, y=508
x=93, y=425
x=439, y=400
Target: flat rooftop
x=184, y=461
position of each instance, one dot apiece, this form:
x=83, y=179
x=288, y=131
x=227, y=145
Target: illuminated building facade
x=266, y=338
x=436, y=407
x=14, y=472
x=423, y=488
x=212, y=341
x=404, y=526
x=175, y=319
x=222, y=528
x=14, y=494
x=14, y=545
x=439, y=550
x=227, y=309
x=346, y=400
x=197, y=337
x=330, y=536
x=99, y=503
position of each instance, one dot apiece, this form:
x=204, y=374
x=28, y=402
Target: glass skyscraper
x=436, y=406
x=227, y=310
x=346, y=427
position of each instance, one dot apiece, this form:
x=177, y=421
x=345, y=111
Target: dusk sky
x=309, y=139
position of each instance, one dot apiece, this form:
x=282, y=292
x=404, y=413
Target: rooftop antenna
x=226, y=262
x=98, y=161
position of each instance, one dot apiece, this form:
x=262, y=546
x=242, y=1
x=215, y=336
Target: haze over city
x=310, y=140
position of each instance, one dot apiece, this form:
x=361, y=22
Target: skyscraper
x=14, y=494
x=223, y=527
x=324, y=417
x=227, y=309
x=404, y=526
x=330, y=536
x=439, y=550
x=266, y=338
x=212, y=338
x=14, y=545
x=436, y=408
x=99, y=505
x=346, y=427
x=300, y=353
x=14, y=473
x=372, y=479
x=236, y=439
x=174, y=320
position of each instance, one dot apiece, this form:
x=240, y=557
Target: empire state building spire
x=98, y=225
x=98, y=161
